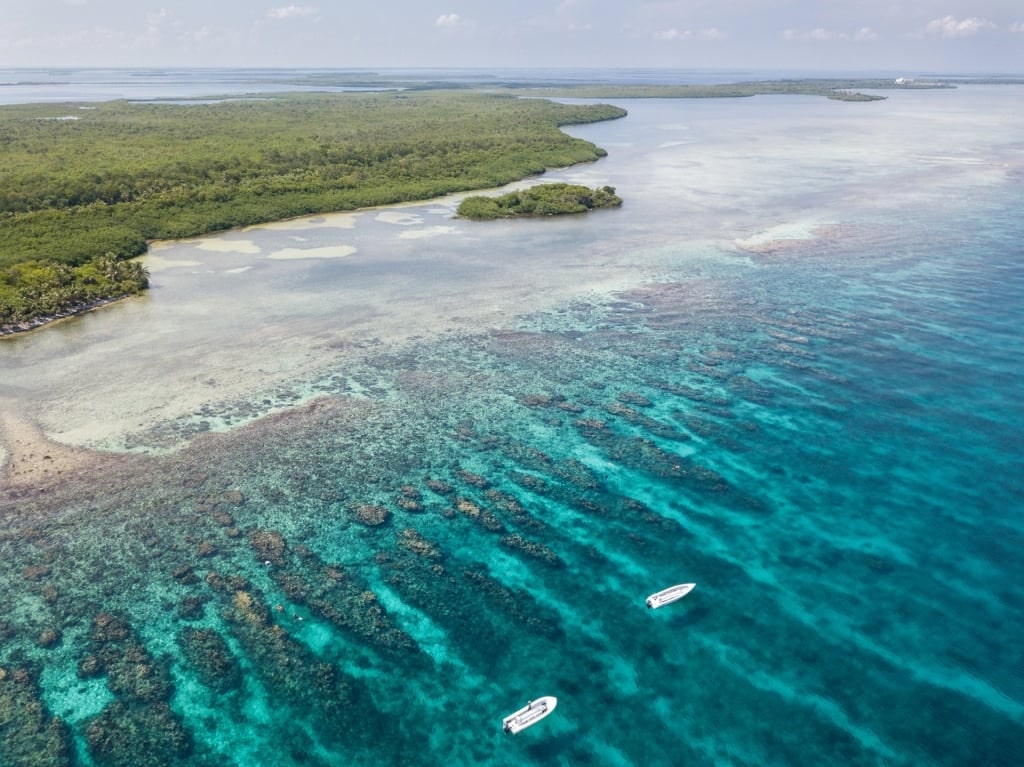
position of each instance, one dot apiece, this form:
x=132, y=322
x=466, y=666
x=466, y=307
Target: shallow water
x=787, y=369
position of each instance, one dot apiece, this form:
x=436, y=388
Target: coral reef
x=210, y=656
x=29, y=735
x=331, y=592
x=483, y=517
x=412, y=541
x=138, y=727
x=467, y=600
x=410, y=500
x=132, y=735
x=531, y=548
x=338, y=706
x=371, y=515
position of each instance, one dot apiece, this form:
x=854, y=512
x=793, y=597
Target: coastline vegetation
x=81, y=182
x=835, y=89
x=541, y=200
x=34, y=290
x=86, y=182
x=840, y=89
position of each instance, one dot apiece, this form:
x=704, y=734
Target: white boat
x=669, y=595
x=529, y=714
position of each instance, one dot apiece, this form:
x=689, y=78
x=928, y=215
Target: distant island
x=542, y=200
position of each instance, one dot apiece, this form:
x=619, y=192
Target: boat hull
x=669, y=595
x=529, y=714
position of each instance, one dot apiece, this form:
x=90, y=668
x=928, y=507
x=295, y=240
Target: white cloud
x=200, y=34
x=156, y=23
x=448, y=21
x=291, y=12
x=820, y=34
x=810, y=34
x=711, y=33
x=157, y=18
x=568, y=12
x=568, y=15
x=950, y=26
x=1018, y=27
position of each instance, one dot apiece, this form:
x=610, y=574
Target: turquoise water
x=826, y=435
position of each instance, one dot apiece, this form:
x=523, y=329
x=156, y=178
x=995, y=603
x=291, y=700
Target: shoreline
x=46, y=320
x=29, y=459
x=361, y=176
x=14, y=329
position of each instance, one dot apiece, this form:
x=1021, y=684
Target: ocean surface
x=350, y=489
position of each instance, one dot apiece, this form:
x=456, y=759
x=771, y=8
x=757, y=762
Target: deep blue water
x=828, y=439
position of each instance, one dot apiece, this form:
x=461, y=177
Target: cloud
x=568, y=12
x=290, y=12
x=1018, y=27
x=864, y=34
x=200, y=34
x=711, y=33
x=157, y=18
x=567, y=16
x=818, y=34
x=157, y=22
x=950, y=26
x=448, y=21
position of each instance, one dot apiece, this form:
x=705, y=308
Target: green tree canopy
x=79, y=182
x=541, y=200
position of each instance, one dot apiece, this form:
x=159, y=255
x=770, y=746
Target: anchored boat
x=669, y=595
x=529, y=714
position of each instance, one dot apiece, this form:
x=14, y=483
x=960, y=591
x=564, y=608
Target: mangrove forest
x=540, y=200
x=87, y=185
x=80, y=182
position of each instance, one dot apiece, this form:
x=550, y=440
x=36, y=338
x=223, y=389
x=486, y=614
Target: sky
x=906, y=36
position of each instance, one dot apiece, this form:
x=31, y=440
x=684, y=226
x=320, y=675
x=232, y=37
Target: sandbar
x=330, y=251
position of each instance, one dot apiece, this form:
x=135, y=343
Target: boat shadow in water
x=686, y=615
x=569, y=747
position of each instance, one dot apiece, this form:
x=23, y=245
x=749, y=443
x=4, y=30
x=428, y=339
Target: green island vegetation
x=835, y=89
x=33, y=290
x=540, y=200
x=839, y=89
x=83, y=186
x=85, y=182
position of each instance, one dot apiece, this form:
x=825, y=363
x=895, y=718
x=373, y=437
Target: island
x=84, y=187
x=542, y=200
